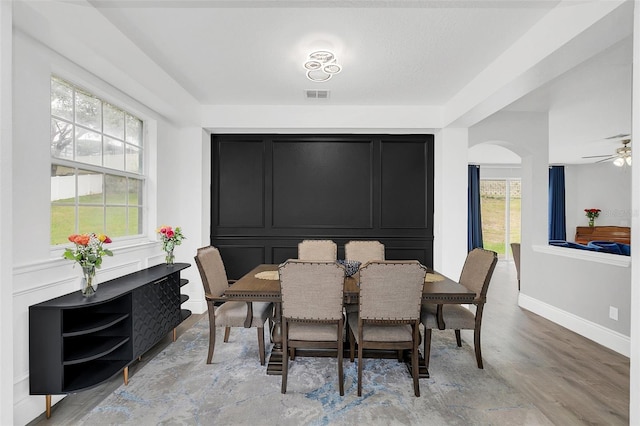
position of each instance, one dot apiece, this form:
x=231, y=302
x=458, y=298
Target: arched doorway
x=500, y=196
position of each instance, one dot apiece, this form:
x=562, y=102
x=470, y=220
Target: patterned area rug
x=177, y=387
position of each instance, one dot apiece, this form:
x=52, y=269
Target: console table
x=76, y=342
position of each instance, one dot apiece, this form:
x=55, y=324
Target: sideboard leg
x=47, y=401
x=175, y=334
x=125, y=373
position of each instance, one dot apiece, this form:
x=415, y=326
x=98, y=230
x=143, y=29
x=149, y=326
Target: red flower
x=592, y=213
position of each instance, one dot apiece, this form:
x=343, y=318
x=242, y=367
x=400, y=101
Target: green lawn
x=91, y=218
x=493, y=222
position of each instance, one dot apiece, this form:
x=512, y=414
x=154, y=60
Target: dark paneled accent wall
x=269, y=192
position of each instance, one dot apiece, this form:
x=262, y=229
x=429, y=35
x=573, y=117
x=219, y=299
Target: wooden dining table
x=251, y=288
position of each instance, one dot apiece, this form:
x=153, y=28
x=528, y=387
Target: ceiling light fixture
x=321, y=65
x=624, y=154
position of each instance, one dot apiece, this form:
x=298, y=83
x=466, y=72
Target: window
x=97, y=168
x=500, y=210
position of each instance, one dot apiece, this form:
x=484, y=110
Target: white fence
x=63, y=187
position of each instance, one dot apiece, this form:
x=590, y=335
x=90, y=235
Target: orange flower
x=82, y=240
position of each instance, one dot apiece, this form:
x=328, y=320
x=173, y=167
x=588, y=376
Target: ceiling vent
x=317, y=94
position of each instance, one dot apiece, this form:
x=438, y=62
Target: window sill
x=120, y=247
x=592, y=256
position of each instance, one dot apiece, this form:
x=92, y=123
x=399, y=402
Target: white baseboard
x=606, y=337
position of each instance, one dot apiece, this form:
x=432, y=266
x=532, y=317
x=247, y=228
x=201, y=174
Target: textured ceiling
x=393, y=53
x=251, y=52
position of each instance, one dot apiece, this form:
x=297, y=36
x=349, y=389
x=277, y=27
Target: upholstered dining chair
x=312, y=314
x=389, y=314
x=228, y=313
x=364, y=251
x=325, y=250
x=515, y=250
x=476, y=276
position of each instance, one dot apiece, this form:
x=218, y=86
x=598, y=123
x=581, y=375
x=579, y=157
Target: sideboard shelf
x=100, y=322
x=76, y=343
x=90, y=348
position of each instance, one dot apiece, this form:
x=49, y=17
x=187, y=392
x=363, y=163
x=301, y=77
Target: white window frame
x=142, y=177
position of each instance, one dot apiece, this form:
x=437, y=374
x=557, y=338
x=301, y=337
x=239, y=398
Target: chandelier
x=321, y=66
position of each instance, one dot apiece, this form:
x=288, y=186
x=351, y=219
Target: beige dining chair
x=364, y=251
x=325, y=250
x=476, y=276
x=389, y=314
x=515, y=250
x=224, y=313
x=312, y=296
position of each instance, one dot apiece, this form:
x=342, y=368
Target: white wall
x=565, y=285
x=6, y=212
x=599, y=186
x=450, y=201
x=174, y=196
x=634, y=393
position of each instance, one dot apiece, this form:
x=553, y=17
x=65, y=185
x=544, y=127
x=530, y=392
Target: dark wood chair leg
x=414, y=360
x=476, y=342
x=352, y=345
x=476, y=334
x=340, y=358
x=427, y=346
x=227, y=330
x=212, y=334
x=360, y=361
x=261, y=350
x=458, y=339
x=285, y=358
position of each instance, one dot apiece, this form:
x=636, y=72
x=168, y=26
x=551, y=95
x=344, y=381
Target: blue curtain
x=557, y=217
x=474, y=225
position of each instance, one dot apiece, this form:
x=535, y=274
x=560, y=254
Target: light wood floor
x=573, y=380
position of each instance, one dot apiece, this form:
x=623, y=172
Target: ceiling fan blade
x=606, y=159
x=618, y=136
x=597, y=156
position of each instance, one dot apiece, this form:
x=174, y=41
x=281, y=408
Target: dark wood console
x=76, y=343
x=617, y=234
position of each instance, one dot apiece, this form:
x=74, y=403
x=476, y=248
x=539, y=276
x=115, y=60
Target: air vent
x=316, y=94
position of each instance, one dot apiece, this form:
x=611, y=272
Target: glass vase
x=592, y=221
x=169, y=258
x=89, y=282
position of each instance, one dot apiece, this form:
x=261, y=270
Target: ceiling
x=392, y=52
x=398, y=52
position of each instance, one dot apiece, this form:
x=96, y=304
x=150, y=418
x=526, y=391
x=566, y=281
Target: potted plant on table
x=88, y=252
x=170, y=238
x=592, y=214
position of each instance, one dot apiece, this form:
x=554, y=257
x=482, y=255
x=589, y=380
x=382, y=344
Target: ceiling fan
x=621, y=156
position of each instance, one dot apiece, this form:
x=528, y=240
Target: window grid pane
x=103, y=198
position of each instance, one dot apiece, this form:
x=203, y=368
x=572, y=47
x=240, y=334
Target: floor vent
x=316, y=94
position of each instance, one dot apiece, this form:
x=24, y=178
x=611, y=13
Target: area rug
x=177, y=387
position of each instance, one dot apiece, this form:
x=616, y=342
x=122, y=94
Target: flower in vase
x=88, y=250
x=592, y=213
x=170, y=238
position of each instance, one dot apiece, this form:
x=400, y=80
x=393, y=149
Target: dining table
x=262, y=284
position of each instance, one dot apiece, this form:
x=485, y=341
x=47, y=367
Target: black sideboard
x=76, y=343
